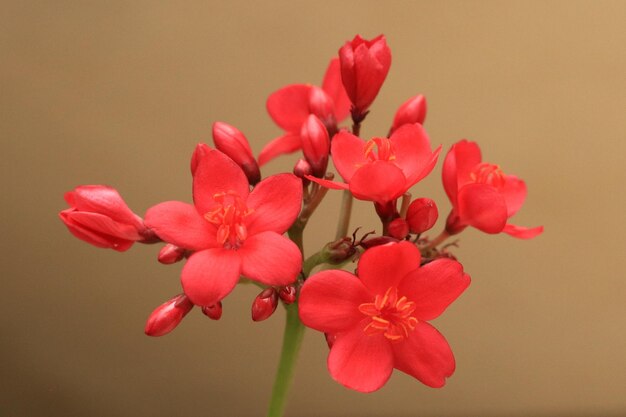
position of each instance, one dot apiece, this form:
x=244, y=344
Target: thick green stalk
x=344, y=215
x=292, y=339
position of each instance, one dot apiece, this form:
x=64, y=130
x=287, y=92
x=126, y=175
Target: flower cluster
x=244, y=227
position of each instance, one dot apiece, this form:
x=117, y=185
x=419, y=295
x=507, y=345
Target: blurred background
x=119, y=93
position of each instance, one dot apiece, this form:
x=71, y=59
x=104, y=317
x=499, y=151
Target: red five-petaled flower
x=290, y=107
x=378, y=319
x=381, y=169
x=231, y=230
x=482, y=195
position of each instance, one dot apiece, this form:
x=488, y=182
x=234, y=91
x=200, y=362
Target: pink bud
x=411, y=111
x=302, y=169
x=98, y=215
x=214, y=311
x=321, y=105
x=288, y=294
x=170, y=254
x=364, y=67
x=229, y=140
x=202, y=149
x=166, y=317
x=422, y=215
x=264, y=304
x=398, y=228
x=315, y=145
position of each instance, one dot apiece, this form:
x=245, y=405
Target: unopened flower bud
x=422, y=215
x=214, y=311
x=398, y=228
x=301, y=170
x=171, y=254
x=264, y=304
x=321, y=105
x=454, y=225
x=330, y=339
x=288, y=294
x=338, y=251
x=411, y=111
x=229, y=140
x=202, y=149
x=315, y=145
x=168, y=315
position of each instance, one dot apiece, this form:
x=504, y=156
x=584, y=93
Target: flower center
x=379, y=149
x=390, y=315
x=491, y=174
x=229, y=216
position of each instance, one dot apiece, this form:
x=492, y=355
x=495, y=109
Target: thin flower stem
x=311, y=262
x=438, y=240
x=344, y=215
x=292, y=339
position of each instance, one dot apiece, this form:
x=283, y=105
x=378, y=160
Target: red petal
x=348, y=154
x=425, y=355
x=289, y=106
x=386, y=266
x=94, y=238
x=180, y=224
x=460, y=160
x=210, y=275
x=270, y=258
x=333, y=86
x=329, y=301
x=288, y=143
x=514, y=192
x=276, y=202
x=521, y=232
x=217, y=173
x=361, y=362
x=104, y=225
x=380, y=181
x=428, y=167
x=434, y=287
x=328, y=184
x=482, y=206
x=411, y=147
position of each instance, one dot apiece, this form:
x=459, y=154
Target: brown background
x=119, y=93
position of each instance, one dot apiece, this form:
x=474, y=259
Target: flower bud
x=338, y=251
x=170, y=254
x=202, y=149
x=98, y=215
x=288, y=294
x=453, y=224
x=422, y=215
x=301, y=170
x=377, y=241
x=315, y=145
x=322, y=105
x=214, y=311
x=364, y=67
x=411, y=111
x=398, y=228
x=166, y=317
x=264, y=304
x=330, y=339
x=229, y=140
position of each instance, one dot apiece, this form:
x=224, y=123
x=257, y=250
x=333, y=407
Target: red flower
x=378, y=319
x=99, y=216
x=482, y=195
x=364, y=67
x=233, y=231
x=381, y=169
x=290, y=106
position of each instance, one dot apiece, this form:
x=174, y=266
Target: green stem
x=438, y=240
x=344, y=215
x=292, y=339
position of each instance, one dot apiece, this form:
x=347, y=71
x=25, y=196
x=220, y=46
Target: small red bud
x=422, y=215
x=330, y=339
x=411, y=111
x=377, y=241
x=264, y=304
x=214, y=311
x=168, y=315
x=454, y=225
x=288, y=294
x=201, y=151
x=398, y=228
x=301, y=170
x=229, y=140
x=170, y=254
x=315, y=145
